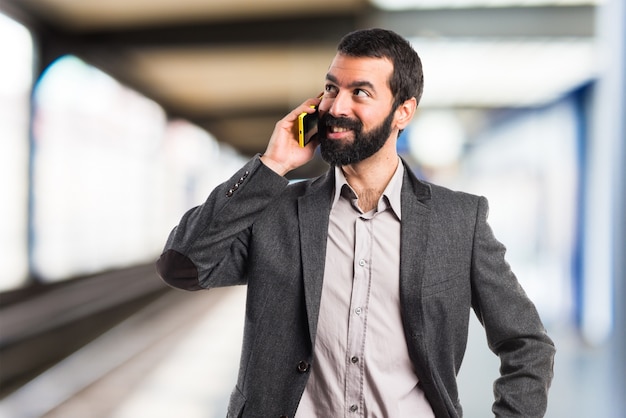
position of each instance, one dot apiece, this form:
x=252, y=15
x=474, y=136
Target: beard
x=364, y=144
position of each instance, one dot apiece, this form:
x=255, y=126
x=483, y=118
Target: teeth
x=335, y=129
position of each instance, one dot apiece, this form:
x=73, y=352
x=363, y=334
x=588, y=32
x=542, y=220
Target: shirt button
x=354, y=359
x=358, y=311
x=353, y=408
x=361, y=263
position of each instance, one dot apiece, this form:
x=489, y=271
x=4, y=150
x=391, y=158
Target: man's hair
x=407, y=79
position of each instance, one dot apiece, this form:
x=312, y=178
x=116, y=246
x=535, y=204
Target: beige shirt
x=362, y=366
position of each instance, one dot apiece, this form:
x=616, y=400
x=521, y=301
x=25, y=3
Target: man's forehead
x=348, y=68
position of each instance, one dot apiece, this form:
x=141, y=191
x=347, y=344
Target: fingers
x=307, y=106
x=283, y=151
x=289, y=124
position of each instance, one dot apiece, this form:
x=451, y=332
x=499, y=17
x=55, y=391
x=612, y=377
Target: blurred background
x=118, y=116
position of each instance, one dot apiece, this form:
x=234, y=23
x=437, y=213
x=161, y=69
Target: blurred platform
x=179, y=357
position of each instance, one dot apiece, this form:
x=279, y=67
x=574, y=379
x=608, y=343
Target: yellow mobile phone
x=307, y=127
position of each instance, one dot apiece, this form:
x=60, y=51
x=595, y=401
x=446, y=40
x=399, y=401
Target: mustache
x=327, y=121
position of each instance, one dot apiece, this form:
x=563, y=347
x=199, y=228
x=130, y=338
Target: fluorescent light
x=503, y=73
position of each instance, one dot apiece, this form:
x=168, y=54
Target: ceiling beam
x=111, y=51
x=276, y=30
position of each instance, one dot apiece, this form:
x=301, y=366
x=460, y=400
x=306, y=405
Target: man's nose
x=340, y=106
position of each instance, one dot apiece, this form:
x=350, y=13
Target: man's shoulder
x=447, y=193
x=440, y=197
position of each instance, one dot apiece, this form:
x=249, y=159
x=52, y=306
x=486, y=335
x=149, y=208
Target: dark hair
x=407, y=79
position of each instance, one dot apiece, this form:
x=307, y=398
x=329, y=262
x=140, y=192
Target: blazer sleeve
x=514, y=330
x=208, y=248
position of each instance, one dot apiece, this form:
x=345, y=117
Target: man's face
x=356, y=115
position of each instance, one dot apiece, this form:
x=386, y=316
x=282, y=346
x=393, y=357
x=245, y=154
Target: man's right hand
x=283, y=152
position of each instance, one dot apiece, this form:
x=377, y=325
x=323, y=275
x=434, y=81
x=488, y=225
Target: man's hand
x=283, y=152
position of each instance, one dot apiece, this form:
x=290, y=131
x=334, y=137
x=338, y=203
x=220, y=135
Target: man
x=359, y=282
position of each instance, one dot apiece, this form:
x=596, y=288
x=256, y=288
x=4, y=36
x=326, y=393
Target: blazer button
x=283, y=416
x=303, y=367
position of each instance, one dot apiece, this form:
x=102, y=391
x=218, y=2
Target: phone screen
x=307, y=127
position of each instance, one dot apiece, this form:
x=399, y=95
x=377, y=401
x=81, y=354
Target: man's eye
x=361, y=93
x=330, y=89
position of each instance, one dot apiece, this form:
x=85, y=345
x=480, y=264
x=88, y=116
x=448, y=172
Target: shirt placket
x=357, y=323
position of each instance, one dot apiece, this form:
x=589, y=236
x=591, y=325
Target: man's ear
x=405, y=113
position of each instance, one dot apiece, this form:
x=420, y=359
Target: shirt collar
x=391, y=194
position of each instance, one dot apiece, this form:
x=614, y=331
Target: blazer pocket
x=236, y=404
x=433, y=287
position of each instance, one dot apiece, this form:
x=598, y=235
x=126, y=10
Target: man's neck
x=369, y=178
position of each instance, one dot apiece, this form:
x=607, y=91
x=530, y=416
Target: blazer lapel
x=415, y=229
x=313, y=214
x=414, y=240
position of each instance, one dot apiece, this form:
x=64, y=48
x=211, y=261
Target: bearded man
x=359, y=282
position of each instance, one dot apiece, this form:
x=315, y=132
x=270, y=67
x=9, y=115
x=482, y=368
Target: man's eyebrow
x=354, y=84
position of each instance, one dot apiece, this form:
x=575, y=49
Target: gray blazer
x=258, y=230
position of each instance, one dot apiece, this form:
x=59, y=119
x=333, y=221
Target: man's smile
x=337, y=132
